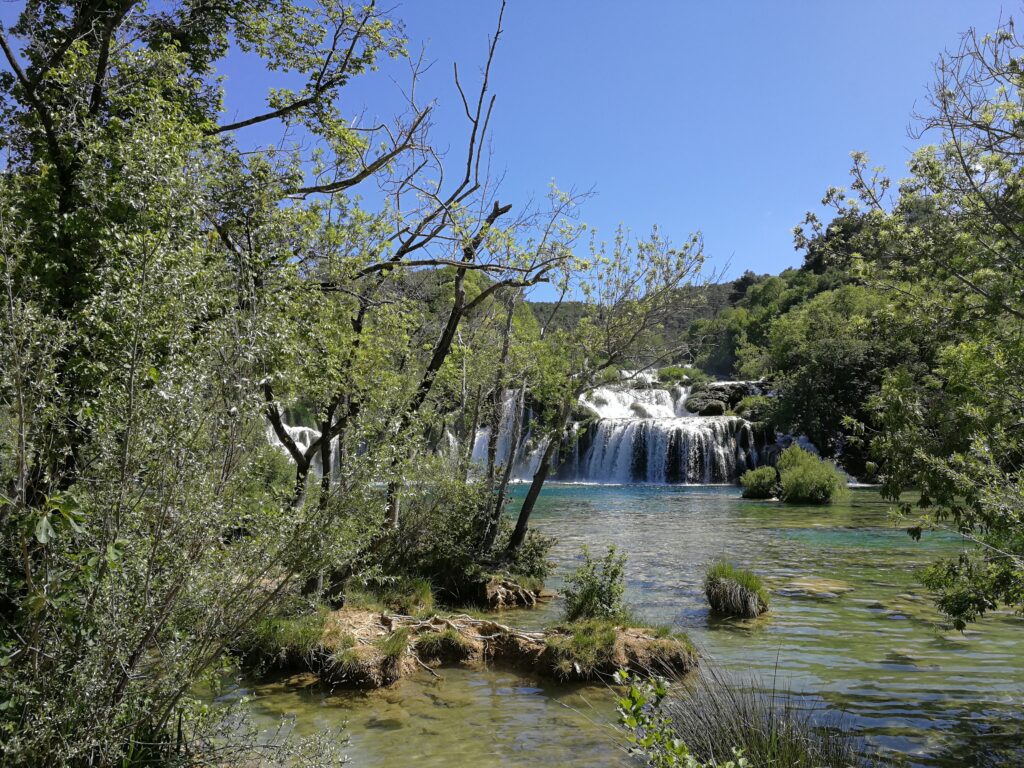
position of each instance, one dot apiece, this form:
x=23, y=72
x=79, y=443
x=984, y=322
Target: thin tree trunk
x=498, y=399
x=494, y=524
x=548, y=460
x=471, y=435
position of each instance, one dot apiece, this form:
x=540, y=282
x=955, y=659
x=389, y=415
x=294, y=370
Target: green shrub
x=760, y=483
x=734, y=591
x=609, y=376
x=807, y=479
x=756, y=408
x=595, y=589
x=533, y=558
x=678, y=373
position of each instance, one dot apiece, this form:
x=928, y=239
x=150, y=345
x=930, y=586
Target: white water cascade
x=303, y=438
x=688, y=449
x=529, y=454
x=635, y=435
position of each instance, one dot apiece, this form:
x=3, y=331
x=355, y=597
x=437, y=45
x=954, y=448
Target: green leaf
x=44, y=530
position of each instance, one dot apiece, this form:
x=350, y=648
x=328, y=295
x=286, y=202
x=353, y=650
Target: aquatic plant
x=714, y=715
x=734, y=591
x=760, y=483
x=651, y=732
x=808, y=479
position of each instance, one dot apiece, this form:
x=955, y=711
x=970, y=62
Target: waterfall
x=688, y=449
x=303, y=438
x=634, y=435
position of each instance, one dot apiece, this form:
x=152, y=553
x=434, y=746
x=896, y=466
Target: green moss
x=760, y=483
x=735, y=591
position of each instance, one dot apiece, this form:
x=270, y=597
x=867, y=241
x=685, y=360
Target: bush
x=715, y=716
x=679, y=373
x=756, y=408
x=734, y=591
x=807, y=479
x=595, y=589
x=760, y=483
x=533, y=559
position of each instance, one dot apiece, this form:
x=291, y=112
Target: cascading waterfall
x=303, y=438
x=529, y=455
x=692, y=449
x=636, y=435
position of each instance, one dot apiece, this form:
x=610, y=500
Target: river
x=850, y=630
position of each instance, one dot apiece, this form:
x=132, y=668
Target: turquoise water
x=850, y=630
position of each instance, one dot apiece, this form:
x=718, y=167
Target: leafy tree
x=951, y=260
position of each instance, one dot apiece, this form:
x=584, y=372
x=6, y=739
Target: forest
x=283, y=422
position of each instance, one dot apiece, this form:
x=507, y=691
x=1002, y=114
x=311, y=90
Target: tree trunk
x=494, y=524
x=548, y=460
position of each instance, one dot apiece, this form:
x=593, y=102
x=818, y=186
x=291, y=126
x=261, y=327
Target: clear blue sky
x=727, y=117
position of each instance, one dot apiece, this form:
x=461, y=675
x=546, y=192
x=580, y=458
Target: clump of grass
x=394, y=645
x=589, y=646
x=448, y=645
x=734, y=591
x=714, y=714
x=760, y=483
x=409, y=597
x=808, y=479
x=287, y=638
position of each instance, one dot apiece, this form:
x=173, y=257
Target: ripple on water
x=879, y=652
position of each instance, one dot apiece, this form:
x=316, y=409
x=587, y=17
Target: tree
x=949, y=251
x=167, y=291
x=631, y=289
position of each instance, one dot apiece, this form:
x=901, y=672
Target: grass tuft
x=714, y=714
x=589, y=646
x=394, y=645
x=734, y=591
x=448, y=644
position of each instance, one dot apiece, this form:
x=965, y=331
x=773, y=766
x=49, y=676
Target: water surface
x=850, y=629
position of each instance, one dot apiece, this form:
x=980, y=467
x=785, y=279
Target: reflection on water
x=850, y=629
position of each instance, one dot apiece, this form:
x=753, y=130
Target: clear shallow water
x=872, y=646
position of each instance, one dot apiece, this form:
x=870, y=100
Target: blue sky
x=731, y=118
x=728, y=117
